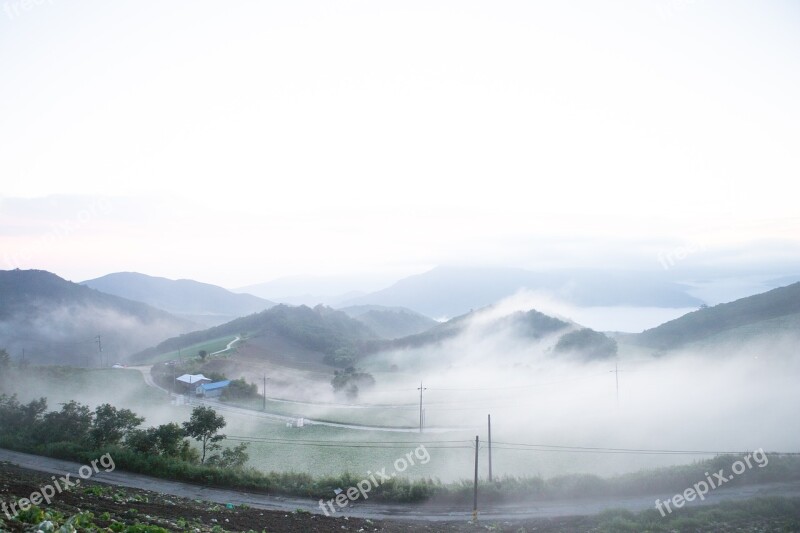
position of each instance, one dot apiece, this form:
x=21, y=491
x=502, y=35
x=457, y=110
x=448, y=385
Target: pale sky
x=235, y=142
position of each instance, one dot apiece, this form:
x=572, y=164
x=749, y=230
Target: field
x=210, y=346
x=328, y=451
x=119, y=387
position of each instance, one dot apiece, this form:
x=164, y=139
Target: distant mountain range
x=768, y=314
x=56, y=321
x=314, y=290
x=452, y=291
x=205, y=304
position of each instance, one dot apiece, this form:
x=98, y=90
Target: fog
x=729, y=395
x=734, y=397
x=66, y=334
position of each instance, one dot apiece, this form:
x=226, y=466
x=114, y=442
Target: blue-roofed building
x=212, y=390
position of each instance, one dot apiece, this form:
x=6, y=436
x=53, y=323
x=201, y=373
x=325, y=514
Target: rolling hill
x=767, y=313
x=289, y=334
x=531, y=325
x=56, y=321
x=203, y=303
x=390, y=322
x=321, y=331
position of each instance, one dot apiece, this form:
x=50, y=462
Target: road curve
x=425, y=512
x=219, y=406
x=228, y=347
x=146, y=371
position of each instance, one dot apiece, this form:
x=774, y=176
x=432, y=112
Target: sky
x=238, y=142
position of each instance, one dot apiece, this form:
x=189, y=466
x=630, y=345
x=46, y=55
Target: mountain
x=390, y=322
x=203, y=303
x=56, y=321
x=313, y=290
x=310, y=333
x=530, y=326
x=768, y=313
x=452, y=291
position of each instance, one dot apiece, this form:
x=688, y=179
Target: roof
x=192, y=378
x=214, y=386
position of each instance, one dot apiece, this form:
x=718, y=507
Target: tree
x=111, y=425
x=216, y=376
x=166, y=440
x=239, y=389
x=17, y=419
x=5, y=359
x=341, y=357
x=170, y=438
x=235, y=457
x=71, y=424
x=203, y=426
x=143, y=441
x=587, y=342
x=349, y=380
x=203, y=354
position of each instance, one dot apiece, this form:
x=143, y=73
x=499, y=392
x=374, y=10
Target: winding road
x=367, y=509
x=228, y=347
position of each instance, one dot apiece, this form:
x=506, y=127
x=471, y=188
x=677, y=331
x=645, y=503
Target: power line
x=290, y=441
x=465, y=444
x=518, y=387
x=337, y=445
x=589, y=449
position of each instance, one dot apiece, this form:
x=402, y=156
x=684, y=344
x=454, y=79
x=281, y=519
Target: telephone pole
x=475, y=490
x=421, y=413
x=616, y=377
x=490, y=448
x=99, y=342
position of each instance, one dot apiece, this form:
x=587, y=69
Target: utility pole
x=421, y=414
x=475, y=490
x=616, y=377
x=99, y=342
x=490, y=448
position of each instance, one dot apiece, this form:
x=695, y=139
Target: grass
x=210, y=346
x=400, y=417
x=120, y=387
x=759, y=514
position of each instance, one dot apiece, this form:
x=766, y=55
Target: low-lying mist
x=67, y=334
x=731, y=398
x=718, y=397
